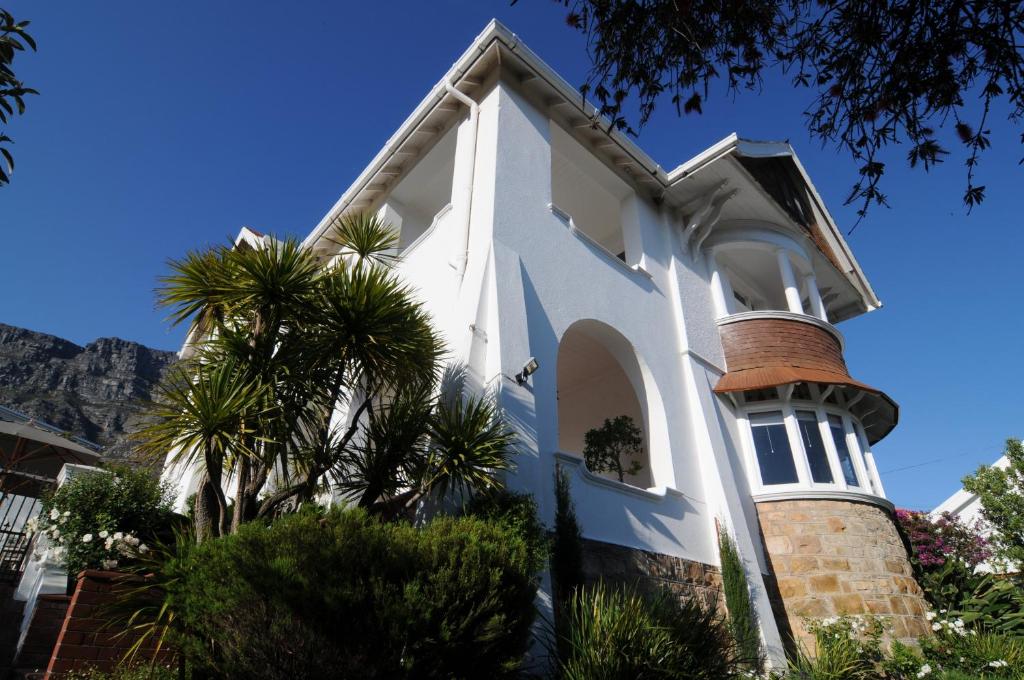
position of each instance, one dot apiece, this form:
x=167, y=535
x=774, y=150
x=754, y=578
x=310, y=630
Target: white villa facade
x=701, y=301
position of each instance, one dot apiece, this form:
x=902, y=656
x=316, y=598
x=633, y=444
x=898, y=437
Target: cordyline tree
x=879, y=72
x=281, y=341
x=13, y=39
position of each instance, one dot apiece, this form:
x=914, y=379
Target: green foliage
x=845, y=648
x=742, y=617
x=1001, y=492
x=344, y=595
x=13, y=39
x=902, y=662
x=994, y=604
x=877, y=72
x=101, y=519
x=620, y=635
x=607, y=448
x=128, y=672
x=280, y=340
x=980, y=654
x=518, y=513
x=567, y=544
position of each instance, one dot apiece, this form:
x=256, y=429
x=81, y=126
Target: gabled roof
x=499, y=53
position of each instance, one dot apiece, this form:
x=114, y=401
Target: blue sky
x=166, y=126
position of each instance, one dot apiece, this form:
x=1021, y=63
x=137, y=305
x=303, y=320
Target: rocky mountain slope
x=95, y=392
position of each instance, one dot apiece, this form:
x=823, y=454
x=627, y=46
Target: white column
x=817, y=306
x=789, y=282
x=721, y=289
x=876, y=479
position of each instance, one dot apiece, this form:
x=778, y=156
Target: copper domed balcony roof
x=770, y=349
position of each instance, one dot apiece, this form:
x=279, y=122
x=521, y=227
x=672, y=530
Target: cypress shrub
x=347, y=596
x=742, y=618
x=567, y=545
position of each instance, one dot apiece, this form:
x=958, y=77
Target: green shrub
x=98, y=520
x=347, y=596
x=845, y=648
x=517, y=512
x=614, y=634
x=567, y=543
x=742, y=618
x=135, y=672
x=980, y=654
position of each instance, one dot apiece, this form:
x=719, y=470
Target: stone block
x=827, y=583
x=779, y=545
x=849, y=604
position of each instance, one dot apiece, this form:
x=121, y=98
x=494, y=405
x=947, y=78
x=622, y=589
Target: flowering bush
x=948, y=537
x=98, y=520
x=955, y=647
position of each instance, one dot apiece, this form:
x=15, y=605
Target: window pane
x=835, y=423
x=810, y=433
x=771, y=442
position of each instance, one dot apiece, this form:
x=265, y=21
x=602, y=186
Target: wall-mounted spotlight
x=529, y=369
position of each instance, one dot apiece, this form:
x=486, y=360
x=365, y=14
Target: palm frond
x=366, y=237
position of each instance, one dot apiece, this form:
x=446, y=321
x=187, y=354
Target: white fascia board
x=409, y=126
x=962, y=498
x=495, y=31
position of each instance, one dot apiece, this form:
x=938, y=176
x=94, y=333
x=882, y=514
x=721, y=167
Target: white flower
x=87, y=538
x=143, y=549
x=930, y=615
x=936, y=626
x=109, y=564
x=104, y=533
x=925, y=670
x=54, y=532
x=67, y=513
x=118, y=535
x=32, y=525
x=54, y=513
x=998, y=664
x=108, y=544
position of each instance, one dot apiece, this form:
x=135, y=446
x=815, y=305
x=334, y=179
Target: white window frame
x=860, y=453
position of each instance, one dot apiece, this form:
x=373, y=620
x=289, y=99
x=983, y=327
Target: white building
x=966, y=506
x=700, y=301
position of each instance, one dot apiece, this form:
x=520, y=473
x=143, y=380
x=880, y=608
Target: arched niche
x=600, y=376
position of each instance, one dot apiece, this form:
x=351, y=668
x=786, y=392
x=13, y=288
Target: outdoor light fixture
x=529, y=369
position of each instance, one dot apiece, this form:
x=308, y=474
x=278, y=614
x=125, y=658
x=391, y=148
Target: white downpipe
x=464, y=201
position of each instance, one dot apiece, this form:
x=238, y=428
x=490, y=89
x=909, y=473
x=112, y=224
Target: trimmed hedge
x=344, y=595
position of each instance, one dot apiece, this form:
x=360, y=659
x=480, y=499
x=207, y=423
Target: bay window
x=799, y=440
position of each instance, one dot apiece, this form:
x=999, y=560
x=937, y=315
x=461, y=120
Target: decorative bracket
x=705, y=215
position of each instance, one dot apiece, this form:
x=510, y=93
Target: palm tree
x=285, y=342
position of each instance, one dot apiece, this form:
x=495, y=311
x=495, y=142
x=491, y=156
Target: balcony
x=773, y=349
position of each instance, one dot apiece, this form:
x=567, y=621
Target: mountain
x=96, y=392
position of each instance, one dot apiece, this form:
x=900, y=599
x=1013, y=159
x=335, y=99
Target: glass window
x=814, y=447
x=835, y=424
x=771, y=442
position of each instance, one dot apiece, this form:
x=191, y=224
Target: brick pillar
x=88, y=637
x=831, y=557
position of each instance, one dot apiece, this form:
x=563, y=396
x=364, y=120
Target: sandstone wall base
x=831, y=558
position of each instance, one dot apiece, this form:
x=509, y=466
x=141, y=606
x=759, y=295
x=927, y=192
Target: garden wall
x=87, y=637
x=830, y=558
x=651, y=571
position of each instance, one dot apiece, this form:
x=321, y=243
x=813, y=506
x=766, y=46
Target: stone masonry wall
x=831, y=558
x=650, y=572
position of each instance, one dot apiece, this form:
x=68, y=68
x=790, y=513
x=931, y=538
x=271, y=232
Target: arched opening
x=600, y=378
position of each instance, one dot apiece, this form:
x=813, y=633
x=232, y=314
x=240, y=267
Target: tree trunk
x=205, y=509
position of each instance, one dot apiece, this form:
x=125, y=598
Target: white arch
x=645, y=389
